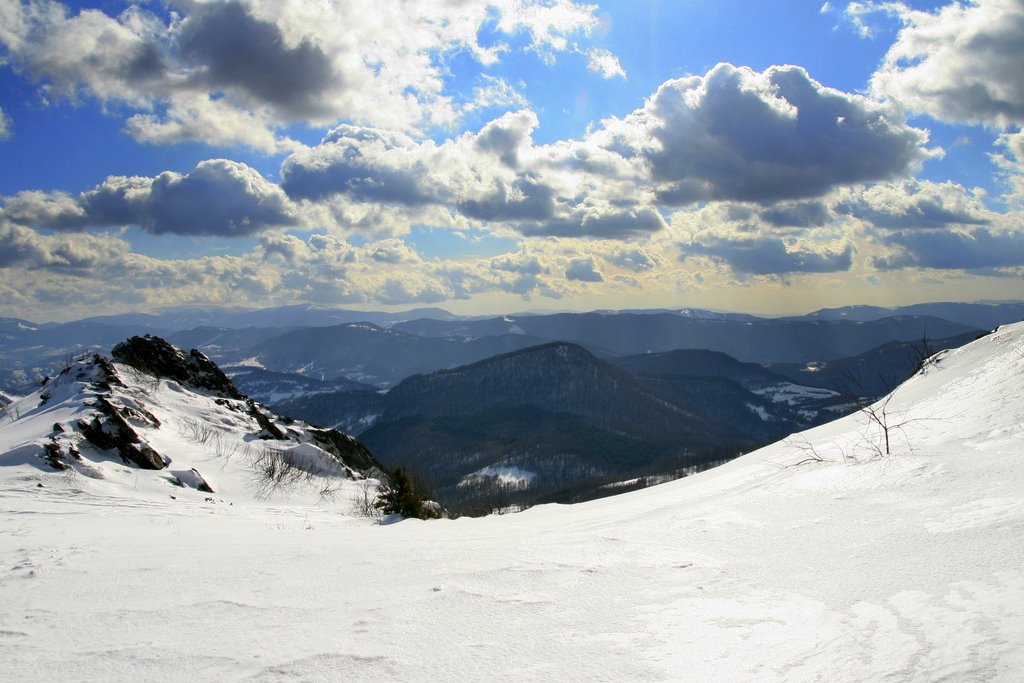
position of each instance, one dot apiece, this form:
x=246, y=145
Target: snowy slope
x=124, y=430
x=857, y=567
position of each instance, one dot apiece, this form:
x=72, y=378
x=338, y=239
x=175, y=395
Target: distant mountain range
x=758, y=340
x=378, y=348
x=986, y=316
x=301, y=315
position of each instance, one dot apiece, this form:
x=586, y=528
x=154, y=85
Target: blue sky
x=506, y=155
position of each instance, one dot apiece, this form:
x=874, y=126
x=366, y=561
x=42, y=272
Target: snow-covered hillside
x=159, y=424
x=850, y=566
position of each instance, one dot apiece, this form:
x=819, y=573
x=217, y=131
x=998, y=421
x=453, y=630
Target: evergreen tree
x=400, y=497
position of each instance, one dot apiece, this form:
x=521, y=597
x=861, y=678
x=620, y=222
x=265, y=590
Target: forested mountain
x=554, y=422
x=872, y=373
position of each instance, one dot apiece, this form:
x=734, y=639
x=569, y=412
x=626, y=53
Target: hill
x=873, y=373
x=155, y=422
x=553, y=422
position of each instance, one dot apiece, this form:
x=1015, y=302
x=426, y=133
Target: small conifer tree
x=400, y=497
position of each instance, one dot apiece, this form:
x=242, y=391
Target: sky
x=508, y=155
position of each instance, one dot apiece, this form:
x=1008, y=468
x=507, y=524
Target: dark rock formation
x=350, y=451
x=110, y=430
x=160, y=358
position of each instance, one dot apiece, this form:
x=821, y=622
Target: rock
x=350, y=451
x=111, y=430
x=158, y=357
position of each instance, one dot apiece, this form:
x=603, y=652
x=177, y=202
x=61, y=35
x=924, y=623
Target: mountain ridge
x=153, y=408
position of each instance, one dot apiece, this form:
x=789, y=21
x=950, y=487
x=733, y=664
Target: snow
x=760, y=412
x=857, y=567
x=504, y=474
x=809, y=402
x=253, y=362
x=793, y=394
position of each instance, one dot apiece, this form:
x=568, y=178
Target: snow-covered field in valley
x=850, y=566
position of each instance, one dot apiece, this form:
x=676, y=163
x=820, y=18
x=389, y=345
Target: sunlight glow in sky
x=504, y=155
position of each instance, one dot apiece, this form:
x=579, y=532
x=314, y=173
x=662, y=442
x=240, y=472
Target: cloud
x=198, y=117
x=953, y=250
x=958, y=64
x=497, y=175
x=5, y=126
x=508, y=137
x=219, y=197
x=549, y=22
x=762, y=137
x=390, y=167
x=797, y=214
x=605, y=64
x=734, y=134
x=603, y=222
x=405, y=290
x=770, y=256
x=584, y=270
x=636, y=260
x=229, y=48
x=22, y=247
x=393, y=251
x=210, y=67
x=1011, y=164
x=496, y=92
x=366, y=164
x=526, y=198
x=914, y=204
x=91, y=53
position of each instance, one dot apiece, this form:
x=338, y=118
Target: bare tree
x=878, y=413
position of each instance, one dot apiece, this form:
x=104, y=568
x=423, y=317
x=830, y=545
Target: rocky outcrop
x=157, y=357
x=117, y=404
x=109, y=429
x=350, y=451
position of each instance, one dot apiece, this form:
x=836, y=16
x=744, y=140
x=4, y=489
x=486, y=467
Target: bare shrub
x=227, y=448
x=364, y=499
x=279, y=470
x=330, y=487
x=148, y=383
x=808, y=450
x=196, y=430
x=887, y=423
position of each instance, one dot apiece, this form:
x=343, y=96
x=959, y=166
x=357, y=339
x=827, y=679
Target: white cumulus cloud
x=961, y=63
x=605, y=64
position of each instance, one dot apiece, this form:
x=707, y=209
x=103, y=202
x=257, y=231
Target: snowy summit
x=820, y=557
